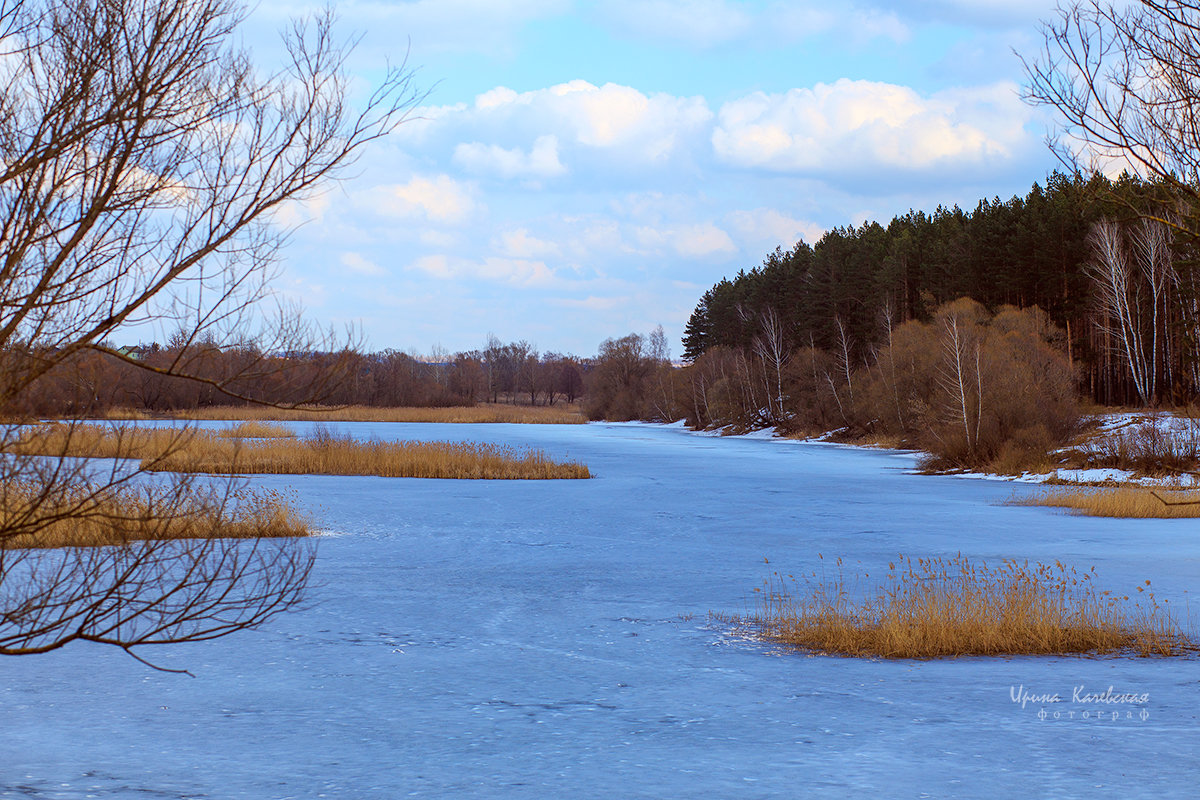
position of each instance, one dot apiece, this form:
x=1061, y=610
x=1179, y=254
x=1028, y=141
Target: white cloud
x=593, y=236
x=356, y=263
x=519, y=244
x=437, y=240
x=690, y=241
x=512, y=271
x=984, y=13
x=540, y=162
x=711, y=23
x=452, y=26
x=771, y=227
x=796, y=21
x=860, y=126
x=294, y=213
x=439, y=198
x=591, y=302
x=633, y=126
x=697, y=22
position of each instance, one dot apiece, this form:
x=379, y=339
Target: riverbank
x=1129, y=464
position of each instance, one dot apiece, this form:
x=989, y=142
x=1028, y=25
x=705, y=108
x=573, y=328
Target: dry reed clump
x=934, y=608
x=90, y=517
x=486, y=413
x=194, y=451
x=256, y=430
x=1122, y=502
x=125, y=414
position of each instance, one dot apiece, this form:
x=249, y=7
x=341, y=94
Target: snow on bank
x=1115, y=423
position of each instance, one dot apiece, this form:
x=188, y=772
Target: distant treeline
x=972, y=335
x=1127, y=304
x=971, y=387
x=91, y=383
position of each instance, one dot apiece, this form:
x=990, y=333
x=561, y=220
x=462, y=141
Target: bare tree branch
x=143, y=162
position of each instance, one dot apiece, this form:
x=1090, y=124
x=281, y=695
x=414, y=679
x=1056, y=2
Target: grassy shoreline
x=487, y=413
x=1154, y=464
x=198, y=451
x=1126, y=502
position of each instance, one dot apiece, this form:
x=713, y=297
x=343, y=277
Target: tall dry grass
x=256, y=430
x=1122, y=502
x=933, y=608
x=486, y=413
x=91, y=517
x=195, y=451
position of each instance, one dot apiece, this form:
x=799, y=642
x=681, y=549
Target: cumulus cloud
x=860, y=126
x=520, y=244
x=439, y=198
x=771, y=227
x=706, y=24
x=591, y=302
x=294, y=213
x=513, y=271
x=452, y=26
x=356, y=263
x=592, y=236
x=697, y=22
x=540, y=162
x=631, y=125
x=690, y=241
x=797, y=21
x=984, y=13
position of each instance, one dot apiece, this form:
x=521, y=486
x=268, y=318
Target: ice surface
x=550, y=639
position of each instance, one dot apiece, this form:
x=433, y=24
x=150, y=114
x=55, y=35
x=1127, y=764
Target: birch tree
x=1132, y=276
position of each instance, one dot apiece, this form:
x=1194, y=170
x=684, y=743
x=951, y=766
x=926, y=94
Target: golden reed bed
x=253, y=429
x=934, y=608
x=195, y=451
x=87, y=516
x=1126, y=502
x=485, y=413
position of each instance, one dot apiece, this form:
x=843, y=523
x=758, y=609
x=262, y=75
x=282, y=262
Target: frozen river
x=550, y=639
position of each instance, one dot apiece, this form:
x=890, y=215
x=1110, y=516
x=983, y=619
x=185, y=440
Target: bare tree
x=770, y=347
x=143, y=162
x=843, y=355
x=960, y=369
x=889, y=321
x=956, y=380
x=658, y=351
x=1132, y=275
x=1125, y=81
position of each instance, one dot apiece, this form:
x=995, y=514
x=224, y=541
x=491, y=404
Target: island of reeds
x=190, y=450
x=104, y=515
x=939, y=608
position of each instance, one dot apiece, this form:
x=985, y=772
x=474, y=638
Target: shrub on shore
x=1144, y=448
x=933, y=608
x=973, y=389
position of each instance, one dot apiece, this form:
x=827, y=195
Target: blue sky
x=584, y=170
